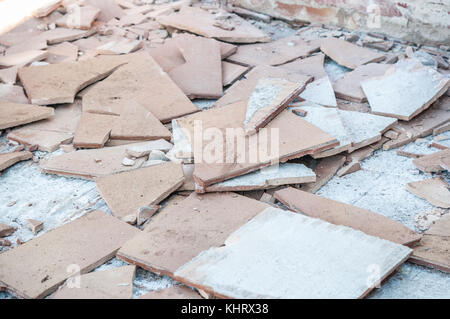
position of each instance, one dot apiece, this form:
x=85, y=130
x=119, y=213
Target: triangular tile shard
x=305, y=261
x=230, y=72
x=349, y=86
x=93, y=130
x=433, y=250
x=91, y=163
x=36, y=269
x=274, y=53
x=320, y=91
x=137, y=123
x=269, y=177
x=127, y=192
x=15, y=114
x=405, y=90
x=339, y=213
x=268, y=99
x=174, y=292
x=177, y=234
x=348, y=54
x=144, y=149
x=9, y=159
x=115, y=283
x=59, y=83
x=432, y=163
x=79, y=17
x=201, y=22
x=131, y=82
x=325, y=170
x=434, y=190
x=201, y=75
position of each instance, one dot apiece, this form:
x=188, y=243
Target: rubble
x=434, y=190
x=14, y=114
x=174, y=292
x=432, y=163
x=6, y=230
x=35, y=225
x=9, y=159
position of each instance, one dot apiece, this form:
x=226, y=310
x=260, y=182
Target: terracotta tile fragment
x=9, y=75
x=109, y=9
x=36, y=268
x=144, y=149
x=6, y=230
x=93, y=130
x=325, y=170
x=79, y=17
x=349, y=168
x=431, y=163
x=232, y=72
x=174, y=292
x=12, y=93
x=59, y=35
x=9, y=159
x=435, y=191
x=119, y=46
x=22, y=58
x=63, y=52
x=35, y=225
x=14, y=114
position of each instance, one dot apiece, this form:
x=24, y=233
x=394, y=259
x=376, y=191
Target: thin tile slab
x=231, y=72
x=312, y=66
x=434, y=190
x=432, y=163
x=348, y=54
x=14, y=114
x=320, y=91
x=93, y=130
x=131, y=82
x=405, y=90
x=59, y=35
x=201, y=22
x=9, y=75
x=63, y=52
x=115, y=283
x=339, y=213
x=176, y=235
x=12, y=93
x=79, y=17
x=9, y=159
x=22, y=58
x=144, y=149
x=36, y=269
x=174, y=292
x=433, y=250
x=6, y=230
x=274, y=53
x=119, y=46
x=325, y=169
x=127, y=192
x=280, y=254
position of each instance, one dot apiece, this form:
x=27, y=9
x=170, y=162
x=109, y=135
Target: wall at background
x=418, y=21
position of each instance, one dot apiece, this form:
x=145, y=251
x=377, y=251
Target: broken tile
x=6, y=230
x=174, y=292
x=63, y=52
x=406, y=89
x=132, y=19
x=202, y=22
x=274, y=53
x=270, y=177
x=59, y=83
x=201, y=75
x=9, y=75
x=339, y=213
x=59, y=35
x=115, y=283
x=441, y=129
x=320, y=91
x=12, y=93
x=348, y=54
x=36, y=268
x=352, y=167
x=79, y=17
x=434, y=246
x=109, y=9
x=120, y=46
x=167, y=243
x=14, y=114
x=90, y=163
x=230, y=72
x=349, y=86
x=435, y=191
x=312, y=66
x=325, y=170
x=22, y=58
x=131, y=82
x=144, y=149
x=432, y=163
x=93, y=130
x=127, y=192
x=35, y=225
x=269, y=97
x=305, y=260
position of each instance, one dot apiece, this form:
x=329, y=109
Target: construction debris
x=6, y=230
x=35, y=225
x=432, y=163
x=434, y=190
x=14, y=114
x=174, y=292
x=9, y=159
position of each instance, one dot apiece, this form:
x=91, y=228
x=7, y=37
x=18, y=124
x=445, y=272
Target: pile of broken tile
x=113, y=84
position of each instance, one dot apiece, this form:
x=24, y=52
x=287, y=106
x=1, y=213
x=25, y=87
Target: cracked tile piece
x=119, y=46
x=12, y=93
x=201, y=75
x=79, y=17
x=109, y=9
x=270, y=177
x=144, y=149
x=230, y=72
x=312, y=66
x=63, y=52
x=405, y=90
x=339, y=213
x=349, y=86
x=9, y=75
x=6, y=230
x=115, y=283
x=174, y=292
x=22, y=58
x=348, y=54
x=59, y=83
x=432, y=163
x=325, y=170
x=274, y=53
x=298, y=257
x=36, y=268
x=202, y=22
x=434, y=190
x=127, y=192
x=320, y=91
x=9, y=159
x=35, y=225
x=434, y=248
x=90, y=163
x=131, y=82
x=59, y=35
x=14, y=114
x=177, y=234
x=93, y=130
x=269, y=97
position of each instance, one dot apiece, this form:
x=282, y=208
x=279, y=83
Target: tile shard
x=6, y=230
x=174, y=292
x=320, y=91
x=15, y=114
x=36, y=269
x=22, y=58
x=339, y=213
x=115, y=283
x=434, y=190
x=144, y=149
x=325, y=170
x=12, y=93
x=306, y=259
x=432, y=163
x=348, y=54
x=202, y=22
x=9, y=159
x=35, y=225
x=79, y=17
x=230, y=72
x=93, y=130
x=405, y=90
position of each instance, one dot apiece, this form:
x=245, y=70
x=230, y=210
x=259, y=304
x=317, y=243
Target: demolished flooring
x=109, y=143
